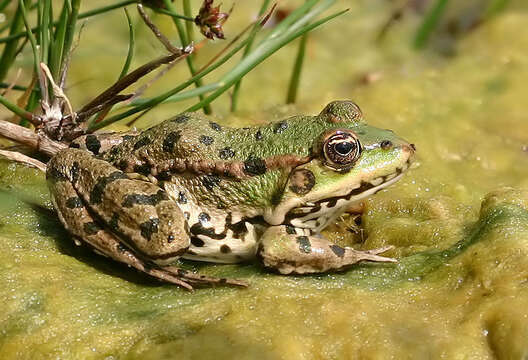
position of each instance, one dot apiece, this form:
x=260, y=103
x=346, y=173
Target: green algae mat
x=458, y=221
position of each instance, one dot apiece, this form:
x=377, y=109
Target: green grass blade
x=266, y=48
x=18, y=34
x=171, y=95
x=296, y=73
x=30, y=36
x=429, y=23
x=3, y=4
x=58, y=43
x=131, y=44
x=189, y=25
x=10, y=49
x=70, y=33
x=236, y=90
x=15, y=109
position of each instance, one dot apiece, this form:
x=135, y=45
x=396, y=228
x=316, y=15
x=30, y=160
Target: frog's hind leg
x=282, y=249
x=103, y=207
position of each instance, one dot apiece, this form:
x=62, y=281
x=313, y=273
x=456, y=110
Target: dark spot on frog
x=197, y=241
x=180, y=119
x=258, y=135
x=128, y=137
x=280, y=127
x=122, y=165
x=226, y=153
x=114, y=222
x=93, y=144
x=149, y=227
x=386, y=144
x=204, y=218
x=206, y=140
x=337, y=250
x=238, y=228
x=215, y=126
x=74, y=202
x=143, y=169
x=145, y=140
x=75, y=145
x=164, y=176
x=224, y=249
x=302, y=181
x=170, y=238
x=210, y=181
x=55, y=175
x=304, y=244
x=254, y=166
x=96, y=194
x=413, y=147
x=199, y=229
x=170, y=141
x=182, y=199
x=142, y=199
x=74, y=171
x=91, y=228
x=290, y=230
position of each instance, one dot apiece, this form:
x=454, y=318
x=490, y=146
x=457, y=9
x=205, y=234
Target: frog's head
x=350, y=160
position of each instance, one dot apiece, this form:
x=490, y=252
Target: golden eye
x=341, y=150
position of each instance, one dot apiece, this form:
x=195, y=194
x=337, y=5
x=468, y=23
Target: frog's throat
x=298, y=208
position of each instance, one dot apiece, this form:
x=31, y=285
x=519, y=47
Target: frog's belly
x=232, y=248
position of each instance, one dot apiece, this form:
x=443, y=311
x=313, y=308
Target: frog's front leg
x=282, y=249
x=131, y=221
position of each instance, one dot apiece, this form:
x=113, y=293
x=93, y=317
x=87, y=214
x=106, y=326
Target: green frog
x=191, y=188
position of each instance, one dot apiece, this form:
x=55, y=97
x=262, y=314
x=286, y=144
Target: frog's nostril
x=386, y=144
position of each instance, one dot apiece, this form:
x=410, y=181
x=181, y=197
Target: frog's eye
x=341, y=150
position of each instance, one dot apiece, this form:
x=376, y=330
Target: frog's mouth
x=318, y=213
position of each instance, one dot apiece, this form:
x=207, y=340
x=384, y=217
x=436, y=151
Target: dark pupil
x=344, y=148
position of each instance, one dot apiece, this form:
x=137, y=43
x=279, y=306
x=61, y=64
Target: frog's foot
x=282, y=249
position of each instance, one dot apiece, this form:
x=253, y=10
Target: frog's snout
x=409, y=148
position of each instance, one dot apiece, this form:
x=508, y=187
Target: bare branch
x=21, y=158
x=134, y=76
x=27, y=137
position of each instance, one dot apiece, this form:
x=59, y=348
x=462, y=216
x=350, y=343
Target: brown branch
x=132, y=77
x=21, y=158
x=27, y=137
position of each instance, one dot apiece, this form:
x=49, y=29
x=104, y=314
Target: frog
x=190, y=188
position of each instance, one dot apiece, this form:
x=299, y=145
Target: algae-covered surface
x=458, y=221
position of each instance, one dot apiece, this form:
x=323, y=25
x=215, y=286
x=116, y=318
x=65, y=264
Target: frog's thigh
x=82, y=225
x=285, y=251
x=140, y=213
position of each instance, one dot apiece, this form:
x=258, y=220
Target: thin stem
x=429, y=23
x=15, y=109
x=172, y=14
x=236, y=90
x=184, y=40
x=296, y=73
